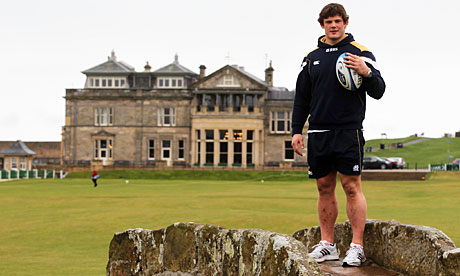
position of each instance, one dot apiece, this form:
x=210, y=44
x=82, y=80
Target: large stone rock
x=409, y=249
x=196, y=249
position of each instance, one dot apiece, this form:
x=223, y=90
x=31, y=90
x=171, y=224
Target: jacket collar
x=321, y=44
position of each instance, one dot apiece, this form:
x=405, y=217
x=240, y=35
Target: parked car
x=394, y=164
x=456, y=161
x=374, y=162
x=398, y=161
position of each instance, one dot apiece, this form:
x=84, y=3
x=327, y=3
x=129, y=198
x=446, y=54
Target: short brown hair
x=332, y=9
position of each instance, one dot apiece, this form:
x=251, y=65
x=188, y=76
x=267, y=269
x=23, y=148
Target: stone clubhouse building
x=174, y=117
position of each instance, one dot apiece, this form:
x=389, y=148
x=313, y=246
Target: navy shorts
x=335, y=150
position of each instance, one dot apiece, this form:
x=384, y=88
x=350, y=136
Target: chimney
x=113, y=57
x=147, y=67
x=269, y=75
x=176, y=58
x=202, y=71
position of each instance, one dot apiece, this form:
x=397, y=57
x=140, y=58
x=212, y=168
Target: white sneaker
x=355, y=256
x=324, y=251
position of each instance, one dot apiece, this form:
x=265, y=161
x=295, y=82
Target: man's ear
x=322, y=25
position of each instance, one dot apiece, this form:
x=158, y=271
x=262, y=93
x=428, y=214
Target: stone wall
x=394, y=175
x=409, y=249
x=196, y=249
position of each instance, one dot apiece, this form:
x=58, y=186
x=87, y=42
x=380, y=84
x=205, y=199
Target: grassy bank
x=375, y=143
x=424, y=153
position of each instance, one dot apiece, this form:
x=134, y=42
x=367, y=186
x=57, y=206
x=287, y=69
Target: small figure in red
x=94, y=178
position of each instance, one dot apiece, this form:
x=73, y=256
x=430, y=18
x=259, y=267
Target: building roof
x=18, y=148
x=110, y=66
x=280, y=93
x=175, y=68
x=239, y=69
x=244, y=72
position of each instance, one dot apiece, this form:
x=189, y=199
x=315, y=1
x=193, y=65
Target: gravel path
x=416, y=141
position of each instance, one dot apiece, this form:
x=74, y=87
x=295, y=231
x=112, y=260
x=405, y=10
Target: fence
x=27, y=174
x=443, y=167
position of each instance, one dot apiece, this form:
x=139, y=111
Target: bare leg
x=327, y=205
x=356, y=205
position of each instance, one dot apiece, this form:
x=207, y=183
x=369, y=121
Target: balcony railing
x=201, y=109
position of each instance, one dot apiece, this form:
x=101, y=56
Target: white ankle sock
x=355, y=245
x=327, y=243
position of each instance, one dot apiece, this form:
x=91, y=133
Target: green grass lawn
x=64, y=227
x=424, y=153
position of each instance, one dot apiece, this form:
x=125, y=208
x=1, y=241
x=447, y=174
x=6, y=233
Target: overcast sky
x=46, y=44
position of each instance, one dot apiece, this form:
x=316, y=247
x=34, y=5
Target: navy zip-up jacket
x=320, y=95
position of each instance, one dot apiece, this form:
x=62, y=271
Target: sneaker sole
x=348, y=264
x=327, y=258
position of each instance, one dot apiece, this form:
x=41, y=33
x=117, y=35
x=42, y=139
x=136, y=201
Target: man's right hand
x=296, y=140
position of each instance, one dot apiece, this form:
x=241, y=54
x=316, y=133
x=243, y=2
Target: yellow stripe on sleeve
x=359, y=46
x=311, y=51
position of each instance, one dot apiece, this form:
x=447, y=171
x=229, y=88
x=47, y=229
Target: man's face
x=334, y=27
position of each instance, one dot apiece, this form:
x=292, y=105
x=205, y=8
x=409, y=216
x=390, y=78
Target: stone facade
x=173, y=117
x=134, y=123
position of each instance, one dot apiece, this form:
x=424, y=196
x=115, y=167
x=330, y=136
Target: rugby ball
x=347, y=77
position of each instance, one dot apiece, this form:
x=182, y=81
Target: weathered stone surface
x=124, y=260
x=409, y=249
x=180, y=253
x=196, y=249
x=451, y=262
x=335, y=268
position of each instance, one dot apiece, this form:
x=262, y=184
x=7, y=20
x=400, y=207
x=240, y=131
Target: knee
x=325, y=189
x=326, y=185
x=352, y=191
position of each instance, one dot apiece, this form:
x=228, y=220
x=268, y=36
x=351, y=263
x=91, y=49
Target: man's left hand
x=356, y=63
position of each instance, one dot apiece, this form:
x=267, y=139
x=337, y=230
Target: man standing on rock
x=335, y=138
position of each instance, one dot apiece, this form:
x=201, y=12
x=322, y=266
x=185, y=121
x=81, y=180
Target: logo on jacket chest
x=328, y=50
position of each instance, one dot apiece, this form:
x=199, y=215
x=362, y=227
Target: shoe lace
x=316, y=246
